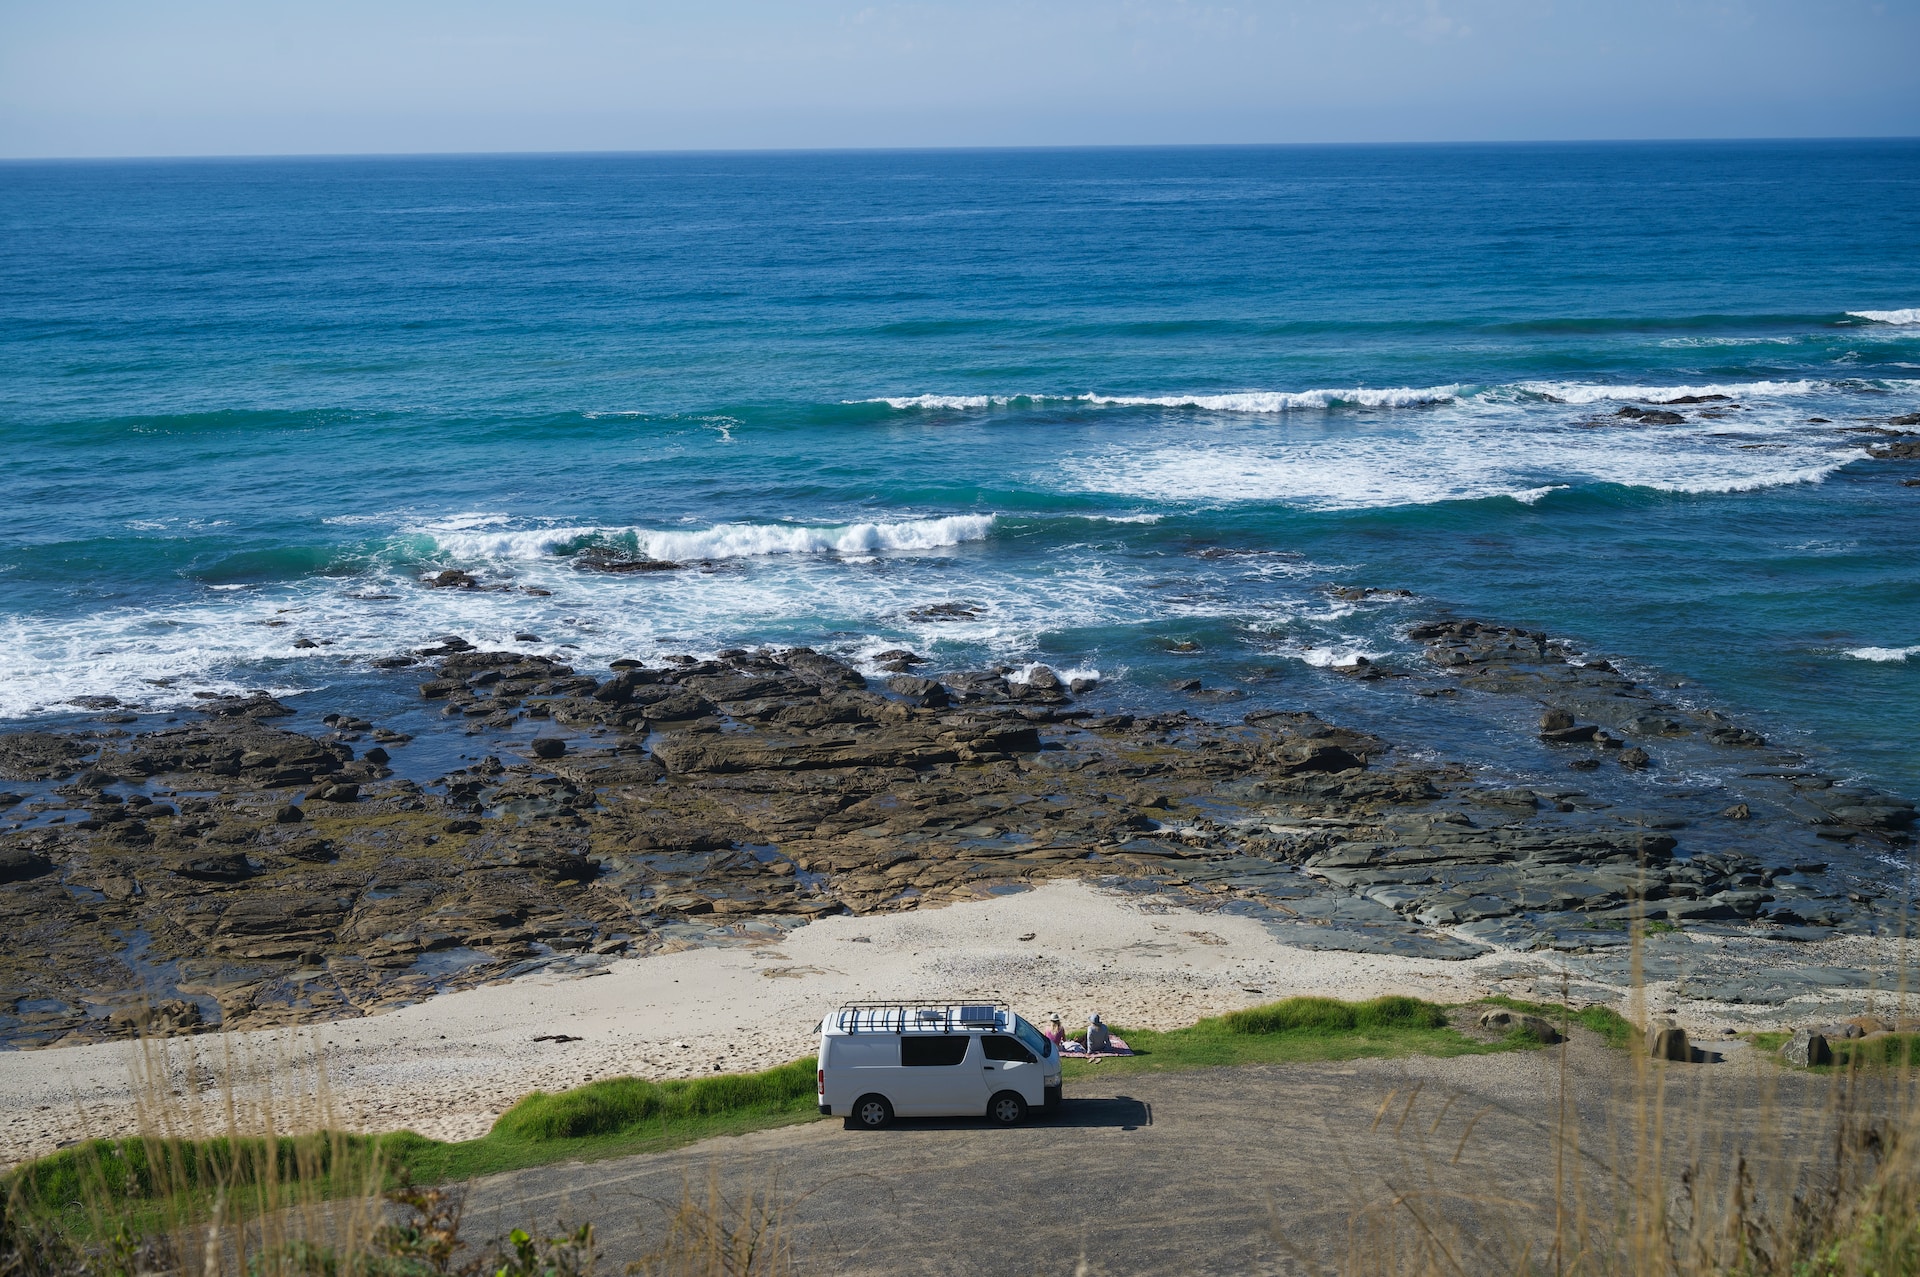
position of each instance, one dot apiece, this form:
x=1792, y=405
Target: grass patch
x=104, y=1187
x=1615, y=1028
x=1884, y=1050
x=1298, y=1030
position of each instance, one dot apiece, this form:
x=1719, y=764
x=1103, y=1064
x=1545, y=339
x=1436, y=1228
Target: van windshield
x=1032, y=1038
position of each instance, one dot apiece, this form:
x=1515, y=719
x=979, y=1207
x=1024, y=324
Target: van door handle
x=986, y=1068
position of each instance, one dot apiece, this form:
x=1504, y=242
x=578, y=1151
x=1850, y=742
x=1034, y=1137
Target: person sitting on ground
x=1098, y=1039
x=1055, y=1033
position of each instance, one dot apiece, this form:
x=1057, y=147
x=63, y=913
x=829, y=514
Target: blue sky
x=213, y=77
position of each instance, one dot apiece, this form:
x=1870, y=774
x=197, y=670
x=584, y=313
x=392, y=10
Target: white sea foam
x=950, y=402
x=740, y=540
x=722, y=541
x=1270, y=401
x=1241, y=401
x=1066, y=675
x=538, y=543
x=1909, y=316
x=1580, y=392
x=1883, y=653
x=1337, y=656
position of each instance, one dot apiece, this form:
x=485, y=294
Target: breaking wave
x=1883, y=653
x=1909, y=316
x=722, y=541
x=1242, y=401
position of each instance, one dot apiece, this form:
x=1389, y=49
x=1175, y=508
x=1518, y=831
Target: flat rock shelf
x=229, y=872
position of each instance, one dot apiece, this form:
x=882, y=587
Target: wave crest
x=1883, y=653
x=722, y=541
x=1247, y=401
x=1909, y=316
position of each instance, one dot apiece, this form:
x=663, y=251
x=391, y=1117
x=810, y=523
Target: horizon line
x=1027, y=148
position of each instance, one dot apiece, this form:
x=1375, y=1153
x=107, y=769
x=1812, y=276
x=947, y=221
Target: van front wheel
x=1007, y=1109
x=871, y=1112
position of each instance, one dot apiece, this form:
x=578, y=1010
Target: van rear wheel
x=1007, y=1109
x=870, y=1113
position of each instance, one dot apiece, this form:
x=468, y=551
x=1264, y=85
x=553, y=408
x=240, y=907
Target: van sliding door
x=940, y=1076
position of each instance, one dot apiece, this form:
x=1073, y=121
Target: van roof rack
x=927, y=1016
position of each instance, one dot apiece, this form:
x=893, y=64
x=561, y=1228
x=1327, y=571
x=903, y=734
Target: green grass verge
x=1298, y=1030
x=142, y=1184
x=1882, y=1051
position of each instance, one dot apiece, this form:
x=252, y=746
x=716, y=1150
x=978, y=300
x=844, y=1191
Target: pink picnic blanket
x=1078, y=1050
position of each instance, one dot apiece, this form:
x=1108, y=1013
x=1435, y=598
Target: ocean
x=1139, y=415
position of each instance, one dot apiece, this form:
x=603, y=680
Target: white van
x=881, y=1060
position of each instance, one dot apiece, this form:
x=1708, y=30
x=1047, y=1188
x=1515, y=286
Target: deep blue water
x=1115, y=401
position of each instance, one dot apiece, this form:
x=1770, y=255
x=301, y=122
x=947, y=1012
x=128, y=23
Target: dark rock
x=378, y=756
x=313, y=851
x=1184, y=685
x=462, y=826
x=1670, y=1043
x=39, y=756
x=335, y=792
x=921, y=691
x=1739, y=811
x=1315, y=756
x=1504, y=1021
x=1082, y=685
x=953, y=611
x=229, y=867
x=1555, y=720
x=1696, y=399
x=1636, y=758
x=256, y=705
x=289, y=815
x=17, y=864
x=548, y=747
x=1043, y=678
x=593, y=562
x=1651, y=416
x=392, y=662
x=1807, y=1049
x=452, y=579
x=1899, y=450
x=898, y=656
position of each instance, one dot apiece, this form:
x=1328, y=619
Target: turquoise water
x=1111, y=402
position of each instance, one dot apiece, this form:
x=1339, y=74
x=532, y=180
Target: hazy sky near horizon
x=252, y=77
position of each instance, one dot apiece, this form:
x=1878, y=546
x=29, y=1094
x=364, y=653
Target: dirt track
x=1283, y=1168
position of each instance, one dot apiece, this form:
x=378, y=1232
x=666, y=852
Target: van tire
x=1007, y=1109
x=870, y=1113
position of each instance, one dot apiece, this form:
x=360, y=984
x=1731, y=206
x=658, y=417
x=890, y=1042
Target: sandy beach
x=449, y=1066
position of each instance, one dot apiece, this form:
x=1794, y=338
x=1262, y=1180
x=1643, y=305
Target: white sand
x=449, y=1066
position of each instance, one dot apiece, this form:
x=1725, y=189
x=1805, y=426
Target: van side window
x=933, y=1051
x=1000, y=1048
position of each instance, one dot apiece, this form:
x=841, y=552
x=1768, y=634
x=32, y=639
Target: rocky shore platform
x=224, y=870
